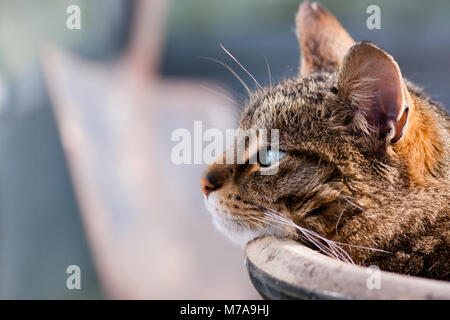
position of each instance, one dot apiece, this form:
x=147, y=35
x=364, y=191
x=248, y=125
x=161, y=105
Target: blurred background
x=86, y=118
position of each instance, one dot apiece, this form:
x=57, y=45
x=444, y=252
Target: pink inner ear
x=389, y=100
x=372, y=80
x=386, y=111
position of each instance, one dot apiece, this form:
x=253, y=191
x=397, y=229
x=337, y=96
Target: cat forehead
x=289, y=100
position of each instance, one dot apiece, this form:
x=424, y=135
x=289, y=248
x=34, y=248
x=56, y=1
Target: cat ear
x=323, y=41
x=370, y=80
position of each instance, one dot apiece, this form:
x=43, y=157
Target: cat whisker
x=219, y=94
x=330, y=250
x=265, y=222
x=262, y=225
x=243, y=224
x=243, y=68
x=338, y=220
x=276, y=225
x=270, y=74
x=231, y=70
x=235, y=110
x=291, y=233
x=330, y=241
x=307, y=237
x=346, y=198
x=333, y=247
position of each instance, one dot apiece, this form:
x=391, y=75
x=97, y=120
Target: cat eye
x=269, y=158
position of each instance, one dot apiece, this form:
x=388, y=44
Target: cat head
x=348, y=118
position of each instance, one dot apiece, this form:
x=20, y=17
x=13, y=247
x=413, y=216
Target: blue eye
x=270, y=157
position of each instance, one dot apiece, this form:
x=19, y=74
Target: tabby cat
x=363, y=166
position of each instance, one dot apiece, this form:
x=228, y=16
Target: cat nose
x=214, y=177
x=207, y=186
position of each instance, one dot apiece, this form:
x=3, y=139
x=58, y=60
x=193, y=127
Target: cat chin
x=235, y=232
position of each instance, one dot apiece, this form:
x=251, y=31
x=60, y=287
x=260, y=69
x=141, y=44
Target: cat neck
x=425, y=148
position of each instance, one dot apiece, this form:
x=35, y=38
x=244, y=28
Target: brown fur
x=344, y=179
x=323, y=40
